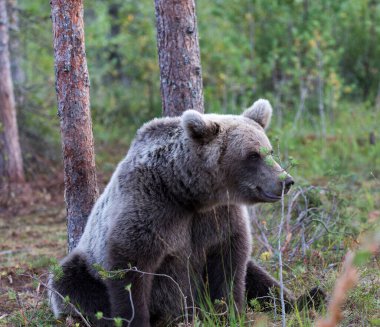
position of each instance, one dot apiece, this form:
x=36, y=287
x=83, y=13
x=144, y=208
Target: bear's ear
x=260, y=112
x=198, y=127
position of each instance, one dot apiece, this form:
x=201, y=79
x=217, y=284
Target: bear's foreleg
x=129, y=298
x=226, y=271
x=131, y=284
x=260, y=285
x=265, y=289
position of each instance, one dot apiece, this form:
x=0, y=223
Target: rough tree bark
x=11, y=167
x=73, y=97
x=179, y=56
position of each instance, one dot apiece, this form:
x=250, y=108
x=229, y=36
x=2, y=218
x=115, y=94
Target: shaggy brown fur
x=175, y=207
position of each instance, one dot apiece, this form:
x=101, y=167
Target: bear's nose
x=289, y=181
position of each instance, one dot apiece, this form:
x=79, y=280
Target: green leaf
x=118, y=322
x=361, y=257
x=282, y=176
x=57, y=272
x=270, y=161
x=11, y=295
x=255, y=304
x=264, y=151
x=293, y=162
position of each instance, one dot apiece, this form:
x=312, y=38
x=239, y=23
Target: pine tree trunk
x=18, y=73
x=11, y=167
x=179, y=56
x=73, y=97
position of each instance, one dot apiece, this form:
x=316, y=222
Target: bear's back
x=94, y=239
x=151, y=139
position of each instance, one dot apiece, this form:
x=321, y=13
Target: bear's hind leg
x=88, y=293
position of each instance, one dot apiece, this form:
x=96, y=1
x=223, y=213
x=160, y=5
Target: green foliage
x=118, y=322
x=66, y=299
x=249, y=49
x=282, y=176
x=264, y=151
x=113, y=274
x=103, y=273
x=12, y=295
x=255, y=304
x=43, y=262
x=33, y=317
x=293, y=162
x=270, y=161
x=274, y=48
x=57, y=271
x=362, y=257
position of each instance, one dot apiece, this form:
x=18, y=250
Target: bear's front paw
x=312, y=299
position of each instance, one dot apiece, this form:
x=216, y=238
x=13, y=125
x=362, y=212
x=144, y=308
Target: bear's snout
x=289, y=181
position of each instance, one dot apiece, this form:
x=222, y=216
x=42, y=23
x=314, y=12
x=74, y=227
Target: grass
x=29, y=244
x=337, y=209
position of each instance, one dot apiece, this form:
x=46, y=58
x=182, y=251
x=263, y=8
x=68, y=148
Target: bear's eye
x=254, y=156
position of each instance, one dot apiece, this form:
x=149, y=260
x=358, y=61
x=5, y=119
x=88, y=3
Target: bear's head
x=237, y=152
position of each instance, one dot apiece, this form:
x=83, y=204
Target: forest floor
x=31, y=240
x=28, y=244
x=32, y=236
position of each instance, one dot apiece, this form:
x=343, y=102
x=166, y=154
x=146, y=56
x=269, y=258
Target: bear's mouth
x=267, y=196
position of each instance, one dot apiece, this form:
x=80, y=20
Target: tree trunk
x=73, y=97
x=179, y=56
x=18, y=74
x=11, y=167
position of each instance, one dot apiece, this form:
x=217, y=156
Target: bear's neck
x=180, y=181
x=170, y=173
x=189, y=184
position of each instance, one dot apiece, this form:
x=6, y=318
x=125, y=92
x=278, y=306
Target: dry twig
x=283, y=317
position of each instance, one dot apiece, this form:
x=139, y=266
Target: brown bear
x=173, y=220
